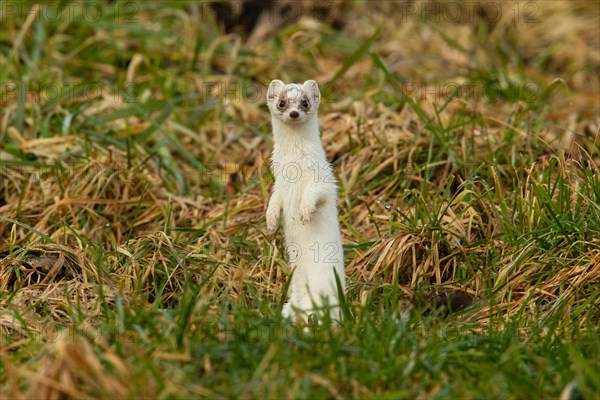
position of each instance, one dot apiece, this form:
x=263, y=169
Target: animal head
x=293, y=103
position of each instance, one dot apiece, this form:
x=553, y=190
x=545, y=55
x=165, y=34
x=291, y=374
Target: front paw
x=307, y=213
x=272, y=220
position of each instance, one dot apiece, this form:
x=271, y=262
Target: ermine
x=305, y=198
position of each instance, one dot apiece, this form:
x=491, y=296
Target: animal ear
x=274, y=91
x=312, y=88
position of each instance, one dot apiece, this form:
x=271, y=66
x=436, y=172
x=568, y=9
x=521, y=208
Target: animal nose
x=294, y=114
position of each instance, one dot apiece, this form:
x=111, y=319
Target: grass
x=134, y=149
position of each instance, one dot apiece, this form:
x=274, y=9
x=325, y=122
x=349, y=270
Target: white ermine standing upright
x=305, y=192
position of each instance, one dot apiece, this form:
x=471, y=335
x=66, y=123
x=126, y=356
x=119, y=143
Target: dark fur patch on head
x=303, y=99
x=279, y=100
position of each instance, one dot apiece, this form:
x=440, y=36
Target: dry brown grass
x=115, y=222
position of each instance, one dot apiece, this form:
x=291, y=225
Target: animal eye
x=304, y=103
x=281, y=104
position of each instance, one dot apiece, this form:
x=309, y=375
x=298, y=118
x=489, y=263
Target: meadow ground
x=134, y=146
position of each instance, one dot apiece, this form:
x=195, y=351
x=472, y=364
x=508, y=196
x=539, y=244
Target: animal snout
x=294, y=114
